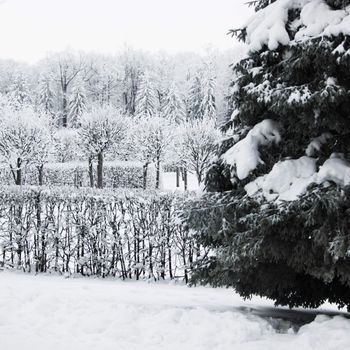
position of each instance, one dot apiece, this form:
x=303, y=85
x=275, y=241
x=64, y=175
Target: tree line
x=66, y=83
x=28, y=138
x=102, y=108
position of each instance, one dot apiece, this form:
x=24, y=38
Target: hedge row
x=116, y=174
x=95, y=232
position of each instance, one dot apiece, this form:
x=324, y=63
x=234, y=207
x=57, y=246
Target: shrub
x=94, y=232
x=116, y=174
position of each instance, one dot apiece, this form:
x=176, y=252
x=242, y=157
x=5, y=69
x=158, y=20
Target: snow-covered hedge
x=116, y=233
x=116, y=174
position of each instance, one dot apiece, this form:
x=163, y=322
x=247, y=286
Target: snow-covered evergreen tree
x=201, y=96
x=283, y=227
x=173, y=107
x=208, y=106
x=18, y=95
x=195, y=98
x=45, y=97
x=77, y=104
x=146, y=98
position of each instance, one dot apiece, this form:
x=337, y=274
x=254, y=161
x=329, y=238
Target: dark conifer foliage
x=338, y=4
x=296, y=253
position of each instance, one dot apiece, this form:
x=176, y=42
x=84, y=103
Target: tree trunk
x=170, y=264
x=177, y=177
x=19, y=172
x=157, y=173
x=64, y=107
x=145, y=170
x=100, y=170
x=185, y=267
x=91, y=172
x=41, y=174
x=43, y=252
x=199, y=176
x=37, y=235
x=185, y=179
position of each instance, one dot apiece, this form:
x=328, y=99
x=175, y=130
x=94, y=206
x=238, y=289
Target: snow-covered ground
x=168, y=182
x=49, y=313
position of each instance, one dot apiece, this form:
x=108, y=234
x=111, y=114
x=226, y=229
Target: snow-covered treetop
x=269, y=25
x=152, y=137
x=101, y=128
x=146, y=98
x=24, y=135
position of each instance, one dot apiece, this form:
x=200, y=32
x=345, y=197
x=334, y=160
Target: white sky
x=29, y=29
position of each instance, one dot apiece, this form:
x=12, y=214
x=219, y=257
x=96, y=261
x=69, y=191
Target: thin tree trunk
x=19, y=234
x=157, y=173
x=199, y=176
x=170, y=264
x=100, y=170
x=91, y=172
x=82, y=253
x=11, y=245
x=56, y=253
x=150, y=252
x=19, y=172
x=78, y=254
x=43, y=252
x=185, y=267
x=177, y=177
x=38, y=260
x=163, y=263
x=36, y=255
x=64, y=107
x=27, y=260
x=145, y=171
x=41, y=174
x=185, y=179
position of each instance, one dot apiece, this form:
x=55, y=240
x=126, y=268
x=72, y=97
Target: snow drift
x=45, y=312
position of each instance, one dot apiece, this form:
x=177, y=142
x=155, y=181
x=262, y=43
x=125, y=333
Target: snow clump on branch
x=244, y=155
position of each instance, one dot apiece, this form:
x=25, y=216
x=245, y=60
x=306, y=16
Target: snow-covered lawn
x=168, y=182
x=48, y=312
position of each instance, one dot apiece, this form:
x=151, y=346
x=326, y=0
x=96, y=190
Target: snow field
x=168, y=182
x=47, y=312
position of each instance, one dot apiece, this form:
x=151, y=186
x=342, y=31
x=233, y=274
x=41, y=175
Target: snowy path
x=46, y=312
